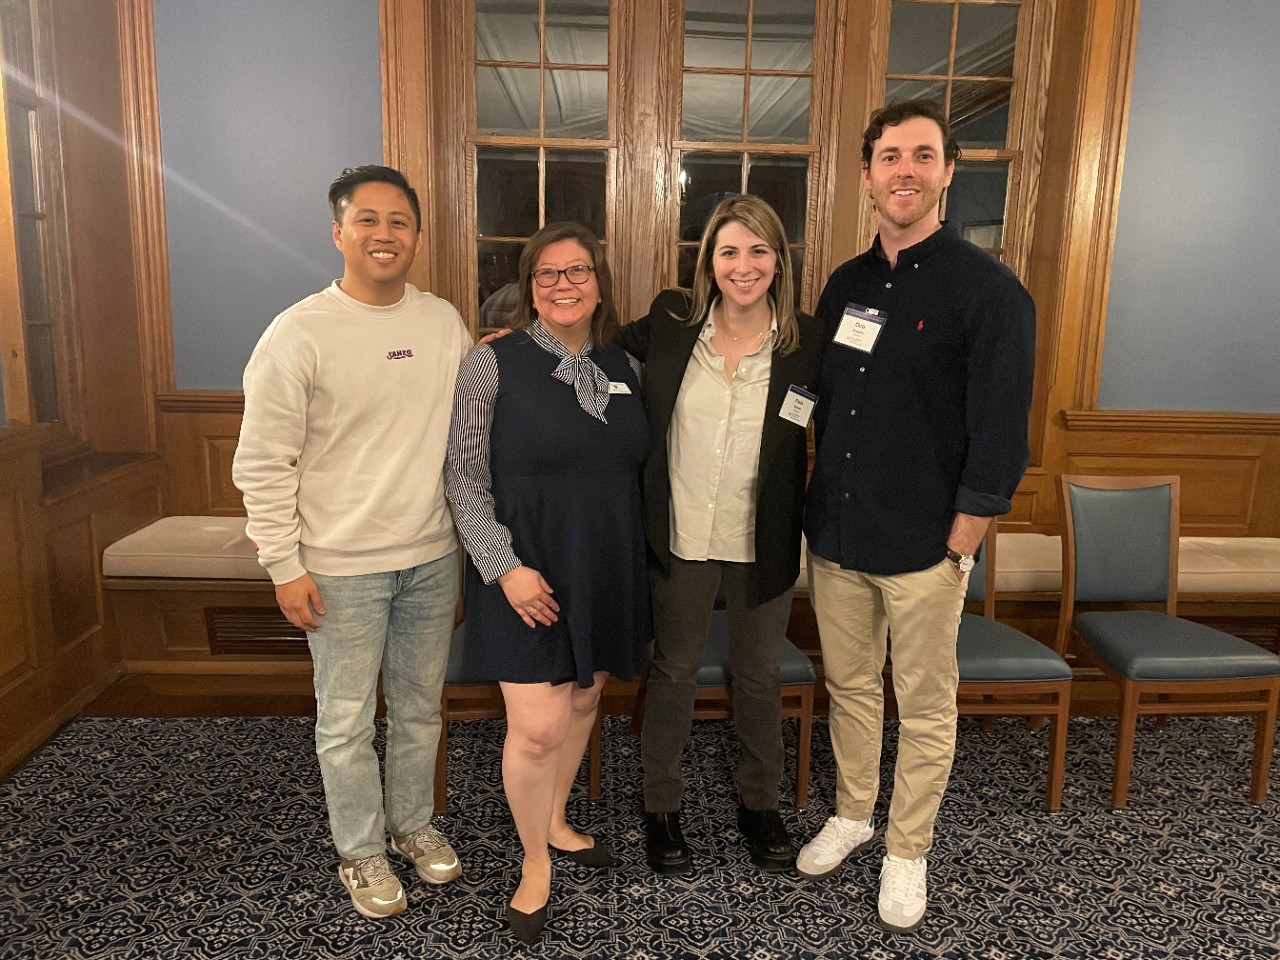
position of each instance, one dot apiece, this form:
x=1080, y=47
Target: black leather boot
x=767, y=839
x=664, y=846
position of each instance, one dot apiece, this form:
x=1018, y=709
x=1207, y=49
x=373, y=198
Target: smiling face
x=743, y=264
x=907, y=175
x=378, y=238
x=565, y=308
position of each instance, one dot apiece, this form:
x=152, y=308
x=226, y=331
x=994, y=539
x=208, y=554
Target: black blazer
x=664, y=344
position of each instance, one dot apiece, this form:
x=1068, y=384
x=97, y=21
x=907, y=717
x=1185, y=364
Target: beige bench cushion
x=209, y=548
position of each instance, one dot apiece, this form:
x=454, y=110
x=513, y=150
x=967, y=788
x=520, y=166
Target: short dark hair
x=895, y=113
x=604, y=322
x=342, y=189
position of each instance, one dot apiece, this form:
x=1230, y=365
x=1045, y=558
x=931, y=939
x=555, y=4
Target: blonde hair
x=758, y=217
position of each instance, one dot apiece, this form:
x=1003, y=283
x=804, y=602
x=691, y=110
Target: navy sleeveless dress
x=567, y=486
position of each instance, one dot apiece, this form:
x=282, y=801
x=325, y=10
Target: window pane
x=705, y=180
x=507, y=30
x=976, y=199
x=19, y=49
x=21, y=165
x=575, y=188
x=783, y=183
x=577, y=104
x=499, y=271
x=919, y=37
x=712, y=107
x=980, y=114
x=935, y=90
x=42, y=371
x=715, y=33
x=985, y=40
x=35, y=302
x=779, y=109
x=782, y=35
x=507, y=101
x=506, y=192
x=686, y=265
x=577, y=31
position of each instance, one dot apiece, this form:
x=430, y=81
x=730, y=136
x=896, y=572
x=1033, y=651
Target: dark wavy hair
x=343, y=189
x=604, y=322
x=901, y=110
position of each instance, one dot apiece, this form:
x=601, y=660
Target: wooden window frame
x=64, y=437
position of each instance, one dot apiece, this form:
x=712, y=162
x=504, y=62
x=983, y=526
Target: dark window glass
x=919, y=37
x=499, y=270
x=705, y=180
x=506, y=192
x=975, y=202
x=980, y=114
x=576, y=188
x=783, y=182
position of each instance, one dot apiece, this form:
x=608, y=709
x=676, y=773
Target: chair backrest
x=1119, y=543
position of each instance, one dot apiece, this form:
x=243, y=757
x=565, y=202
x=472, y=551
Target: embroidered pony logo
x=399, y=354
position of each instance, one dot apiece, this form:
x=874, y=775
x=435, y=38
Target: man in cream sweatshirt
x=341, y=463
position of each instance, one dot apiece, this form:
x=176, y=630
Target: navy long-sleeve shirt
x=930, y=423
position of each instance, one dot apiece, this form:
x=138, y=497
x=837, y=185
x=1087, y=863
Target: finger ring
x=533, y=610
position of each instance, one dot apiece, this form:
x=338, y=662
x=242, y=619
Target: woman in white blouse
x=723, y=491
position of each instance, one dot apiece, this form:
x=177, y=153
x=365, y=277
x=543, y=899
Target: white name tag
x=860, y=327
x=797, y=405
x=616, y=386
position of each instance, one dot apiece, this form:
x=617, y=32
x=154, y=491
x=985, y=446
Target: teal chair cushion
x=793, y=666
x=991, y=652
x=1143, y=645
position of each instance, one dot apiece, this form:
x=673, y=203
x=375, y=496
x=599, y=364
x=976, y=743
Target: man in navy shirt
x=922, y=439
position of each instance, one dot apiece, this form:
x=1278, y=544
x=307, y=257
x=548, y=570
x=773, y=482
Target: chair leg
x=989, y=721
x=442, y=763
x=804, y=746
x=595, y=773
x=1126, y=728
x=637, y=706
x=1264, y=737
x=1057, y=751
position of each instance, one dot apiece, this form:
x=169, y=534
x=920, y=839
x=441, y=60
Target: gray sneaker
x=823, y=855
x=375, y=890
x=430, y=853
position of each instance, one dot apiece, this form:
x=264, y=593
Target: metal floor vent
x=253, y=630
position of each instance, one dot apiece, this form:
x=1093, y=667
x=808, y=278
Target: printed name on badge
x=616, y=386
x=860, y=327
x=797, y=405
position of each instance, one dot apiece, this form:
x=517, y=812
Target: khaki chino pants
x=855, y=612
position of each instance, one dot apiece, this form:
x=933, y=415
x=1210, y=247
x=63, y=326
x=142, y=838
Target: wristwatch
x=965, y=563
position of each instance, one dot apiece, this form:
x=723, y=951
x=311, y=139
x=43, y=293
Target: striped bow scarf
x=587, y=380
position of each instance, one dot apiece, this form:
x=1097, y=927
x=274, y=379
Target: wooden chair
x=1120, y=546
x=715, y=694
x=464, y=698
x=1004, y=672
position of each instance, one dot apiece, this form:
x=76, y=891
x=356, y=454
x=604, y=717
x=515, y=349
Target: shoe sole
x=836, y=868
x=773, y=866
x=429, y=879
x=886, y=925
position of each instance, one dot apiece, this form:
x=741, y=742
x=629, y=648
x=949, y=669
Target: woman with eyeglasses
x=543, y=475
x=729, y=367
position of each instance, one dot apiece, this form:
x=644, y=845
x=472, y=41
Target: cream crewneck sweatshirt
x=346, y=421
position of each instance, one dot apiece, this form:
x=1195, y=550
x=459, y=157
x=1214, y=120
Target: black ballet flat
x=597, y=856
x=526, y=927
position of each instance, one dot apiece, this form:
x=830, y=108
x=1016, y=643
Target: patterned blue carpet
x=206, y=838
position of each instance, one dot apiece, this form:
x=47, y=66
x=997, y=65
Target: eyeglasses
x=579, y=273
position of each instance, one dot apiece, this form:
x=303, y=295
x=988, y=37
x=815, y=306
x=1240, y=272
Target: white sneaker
x=904, y=892
x=822, y=855
x=374, y=887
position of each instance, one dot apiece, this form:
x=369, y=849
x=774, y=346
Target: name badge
x=860, y=327
x=797, y=405
x=616, y=386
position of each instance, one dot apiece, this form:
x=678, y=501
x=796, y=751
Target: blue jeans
x=398, y=624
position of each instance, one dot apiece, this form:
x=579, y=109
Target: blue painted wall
x=261, y=106
x=1193, y=321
